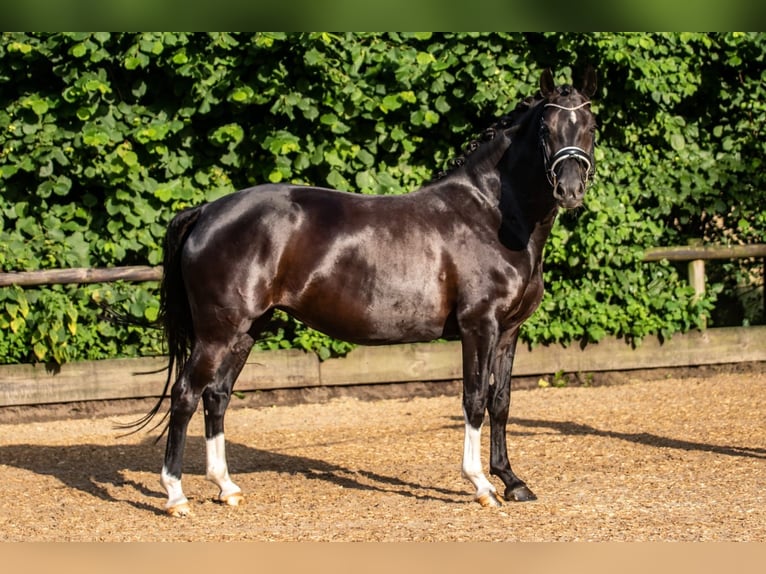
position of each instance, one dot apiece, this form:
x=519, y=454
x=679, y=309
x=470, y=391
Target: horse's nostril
x=568, y=196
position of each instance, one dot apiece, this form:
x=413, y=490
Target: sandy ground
x=665, y=459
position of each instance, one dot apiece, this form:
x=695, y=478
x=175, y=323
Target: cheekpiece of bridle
x=567, y=152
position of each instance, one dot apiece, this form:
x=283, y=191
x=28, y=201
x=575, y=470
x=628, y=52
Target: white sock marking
x=472, y=469
x=217, y=469
x=172, y=486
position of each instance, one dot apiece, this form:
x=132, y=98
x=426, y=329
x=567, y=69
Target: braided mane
x=501, y=124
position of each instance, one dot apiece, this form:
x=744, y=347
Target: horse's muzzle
x=569, y=173
x=569, y=195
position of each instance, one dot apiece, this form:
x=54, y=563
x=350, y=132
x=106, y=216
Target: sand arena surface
x=667, y=459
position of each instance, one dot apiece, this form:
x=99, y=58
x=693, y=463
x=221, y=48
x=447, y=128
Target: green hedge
x=103, y=137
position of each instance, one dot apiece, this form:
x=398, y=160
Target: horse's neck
x=481, y=165
x=526, y=202
x=508, y=172
x=540, y=234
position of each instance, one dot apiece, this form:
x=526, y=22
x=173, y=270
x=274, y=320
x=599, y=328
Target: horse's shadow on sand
x=103, y=470
x=570, y=428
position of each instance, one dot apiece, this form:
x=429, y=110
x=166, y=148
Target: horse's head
x=567, y=135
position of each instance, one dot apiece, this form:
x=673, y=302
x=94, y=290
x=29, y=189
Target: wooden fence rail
x=81, y=275
x=693, y=252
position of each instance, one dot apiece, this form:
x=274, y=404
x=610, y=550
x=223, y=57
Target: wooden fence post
x=697, y=277
x=696, y=270
x=697, y=281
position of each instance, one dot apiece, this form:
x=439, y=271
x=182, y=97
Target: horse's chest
x=518, y=295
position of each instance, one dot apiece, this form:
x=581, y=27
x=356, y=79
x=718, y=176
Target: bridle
x=567, y=152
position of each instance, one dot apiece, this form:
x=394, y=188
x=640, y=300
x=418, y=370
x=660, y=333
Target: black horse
x=461, y=257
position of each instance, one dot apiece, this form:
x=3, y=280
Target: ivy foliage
x=104, y=136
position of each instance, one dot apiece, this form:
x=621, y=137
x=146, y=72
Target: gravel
x=666, y=459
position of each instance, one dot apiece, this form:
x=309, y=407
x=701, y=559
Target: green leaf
x=151, y=313
x=62, y=185
x=12, y=309
x=128, y=156
x=228, y=133
x=430, y=118
x=37, y=104
x=7, y=171
x=336, y=180
x=135, y=62
x=424, y=58
x=40, y=351
x=442, y=105
x=79, y=50
x=677, y=142
x=328, y=119
x=242, y=94
x=390, y=103
x=180, y=57
x=282, y=143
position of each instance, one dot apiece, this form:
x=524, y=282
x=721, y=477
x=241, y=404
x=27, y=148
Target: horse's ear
x=546, y=83
x=589, y=83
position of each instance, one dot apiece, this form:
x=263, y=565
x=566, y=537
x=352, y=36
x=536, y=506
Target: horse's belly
x=381, y=314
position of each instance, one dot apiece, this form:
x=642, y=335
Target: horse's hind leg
x=199, y=371
x=215, y=399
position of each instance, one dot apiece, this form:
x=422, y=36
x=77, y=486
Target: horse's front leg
x=477, y=358
x=499, y=404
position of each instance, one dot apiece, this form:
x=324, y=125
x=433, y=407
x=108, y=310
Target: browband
x=551, y=105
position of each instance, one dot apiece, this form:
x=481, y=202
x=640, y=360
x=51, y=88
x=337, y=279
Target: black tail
x=175, y=314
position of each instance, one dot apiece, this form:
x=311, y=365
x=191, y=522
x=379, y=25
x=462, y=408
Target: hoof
x=489, y=500
x=234, y=499
x=520, y=494
x=179, y=510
